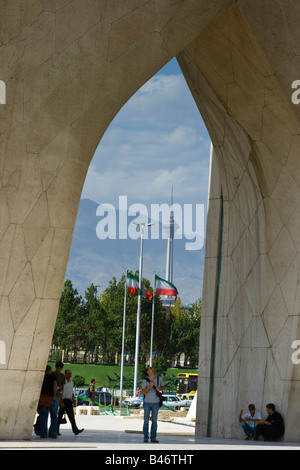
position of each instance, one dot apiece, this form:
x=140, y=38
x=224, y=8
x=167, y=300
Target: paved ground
x=111, y=433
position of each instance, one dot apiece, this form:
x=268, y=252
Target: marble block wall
x=68, y=67
x=251, y=286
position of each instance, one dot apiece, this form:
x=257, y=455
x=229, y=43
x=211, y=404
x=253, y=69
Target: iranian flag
x=164, y=287
x=132, y=284
x=133, y=287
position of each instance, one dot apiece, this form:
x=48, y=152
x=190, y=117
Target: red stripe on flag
x=170, y=292
x=132, y=290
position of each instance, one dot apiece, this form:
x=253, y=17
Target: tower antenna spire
x=170, y=227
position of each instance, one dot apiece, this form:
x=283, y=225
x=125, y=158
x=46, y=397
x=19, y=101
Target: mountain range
x=97, y=261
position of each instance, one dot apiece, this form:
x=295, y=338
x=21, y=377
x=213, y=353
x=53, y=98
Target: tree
x=194, y=324
x=160, y=365
x=69, y=330
x=93, y=322
x=112, y=306
x=185, y=331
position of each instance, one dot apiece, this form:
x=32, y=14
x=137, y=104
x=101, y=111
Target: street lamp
x=138, y=317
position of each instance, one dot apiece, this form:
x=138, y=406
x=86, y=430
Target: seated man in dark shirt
x=273, y=427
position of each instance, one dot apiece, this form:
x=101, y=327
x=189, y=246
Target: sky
x=157, y=139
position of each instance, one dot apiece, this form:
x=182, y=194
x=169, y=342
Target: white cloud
x=148, y=185
x=164, y=102
x=158, y=138
x=169, y=88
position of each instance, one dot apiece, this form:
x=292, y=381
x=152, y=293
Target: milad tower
x=170, y=228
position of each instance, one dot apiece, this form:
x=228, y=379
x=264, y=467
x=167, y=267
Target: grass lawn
x=100, y=372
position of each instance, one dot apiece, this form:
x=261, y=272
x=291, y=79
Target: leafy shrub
x=78, y=380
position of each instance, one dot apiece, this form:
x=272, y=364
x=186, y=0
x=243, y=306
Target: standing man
x=60, y=379
x=69, y=403
x=273, y=427
x=150, y=388
x=91, y=393
x=47, y=398
x=248, y=422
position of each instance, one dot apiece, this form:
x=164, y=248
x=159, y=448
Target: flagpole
x=152, y=323
x=138, y=316
x=123, y=342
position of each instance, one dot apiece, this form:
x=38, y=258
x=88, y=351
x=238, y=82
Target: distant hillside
x=97, y=261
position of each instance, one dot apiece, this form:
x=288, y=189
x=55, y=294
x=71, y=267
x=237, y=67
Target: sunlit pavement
x=113, y=433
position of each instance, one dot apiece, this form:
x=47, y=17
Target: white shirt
x=252, y=424
x=68, y=390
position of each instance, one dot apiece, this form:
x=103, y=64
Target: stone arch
x=69, y=68
x=249, y=302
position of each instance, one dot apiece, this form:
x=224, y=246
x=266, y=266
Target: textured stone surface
x=255, y=271
x=69, y=66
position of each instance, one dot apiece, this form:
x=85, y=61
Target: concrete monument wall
x=68, y=67
x=251, y=292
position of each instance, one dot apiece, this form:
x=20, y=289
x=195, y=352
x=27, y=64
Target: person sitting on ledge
x=273, y=427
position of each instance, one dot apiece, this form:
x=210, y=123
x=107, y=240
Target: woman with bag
x=151, y=388
x=48, y=395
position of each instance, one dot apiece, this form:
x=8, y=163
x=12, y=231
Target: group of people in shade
x=271, y=429
x=56, y=399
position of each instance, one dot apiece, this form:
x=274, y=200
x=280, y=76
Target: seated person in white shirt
x=248, y=422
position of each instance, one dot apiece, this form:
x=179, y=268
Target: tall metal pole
x=123, y=341
x=152, y=323
x=138, y=317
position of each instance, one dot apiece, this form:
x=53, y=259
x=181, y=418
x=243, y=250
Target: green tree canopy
x=94, y=324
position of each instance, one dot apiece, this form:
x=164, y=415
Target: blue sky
x=157, y=139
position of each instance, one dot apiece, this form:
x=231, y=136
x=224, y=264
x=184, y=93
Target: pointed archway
x=69, y=67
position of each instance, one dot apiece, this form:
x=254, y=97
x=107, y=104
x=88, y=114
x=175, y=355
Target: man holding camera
x=151, y=388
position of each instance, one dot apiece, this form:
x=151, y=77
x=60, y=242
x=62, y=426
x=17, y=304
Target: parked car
x=171, y=401
x=79, y=391
x=134, y=402
x=186, y=401
x=102, y=398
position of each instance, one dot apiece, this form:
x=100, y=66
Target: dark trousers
x=268, y=432
x=70, y=412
